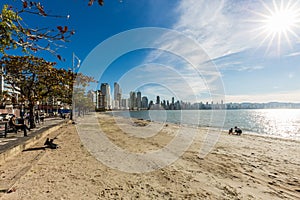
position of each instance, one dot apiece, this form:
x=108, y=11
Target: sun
x=279, y=23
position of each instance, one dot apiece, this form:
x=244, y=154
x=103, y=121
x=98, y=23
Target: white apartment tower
x=117, y=95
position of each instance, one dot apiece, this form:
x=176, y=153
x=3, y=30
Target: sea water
x=273, y=122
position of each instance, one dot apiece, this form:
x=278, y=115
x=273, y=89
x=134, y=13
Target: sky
x=194, y=50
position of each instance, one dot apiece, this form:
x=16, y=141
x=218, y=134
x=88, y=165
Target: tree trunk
x=31, y=115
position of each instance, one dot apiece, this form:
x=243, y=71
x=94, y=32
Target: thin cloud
x=284, y=96
x=293, y=54
x=217, y=25
x=183, y=84
x=250, y=68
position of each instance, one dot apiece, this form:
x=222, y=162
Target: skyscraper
x=132, y=99
x=105, y=89
x=144, y=102
x=139, y=100
x=117, y=94
x=100, y=99
x=124, y=104
x=157, y=100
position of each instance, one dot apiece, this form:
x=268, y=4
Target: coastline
x=238, y=167
x=246, y=131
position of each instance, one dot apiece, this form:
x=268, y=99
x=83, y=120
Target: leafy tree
x=82, y=100
x=15, y=33
x=34, y=78
x=4, y=96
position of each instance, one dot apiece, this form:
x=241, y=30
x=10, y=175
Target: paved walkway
x=15, y=142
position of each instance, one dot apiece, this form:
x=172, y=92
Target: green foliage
x=33, y=77
x=38, y=80
x=14, y=33
x=8, y=28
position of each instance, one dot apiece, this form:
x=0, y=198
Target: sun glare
x=279, y=23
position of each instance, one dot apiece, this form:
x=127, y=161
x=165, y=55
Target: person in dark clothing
x=42, y=117
x=237, y=130
x=50, y=144
x=37, y=117
x=13, y=123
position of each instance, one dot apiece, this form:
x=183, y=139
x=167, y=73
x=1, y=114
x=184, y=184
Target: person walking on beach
x=23, y=126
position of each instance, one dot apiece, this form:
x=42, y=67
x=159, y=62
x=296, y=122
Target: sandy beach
x=238, y=167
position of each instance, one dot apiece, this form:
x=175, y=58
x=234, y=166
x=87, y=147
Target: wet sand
x=238, y=167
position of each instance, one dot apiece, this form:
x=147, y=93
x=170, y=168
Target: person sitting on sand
x=237, y=130
x=50, y=144
x=230, y=131
x=13, y=123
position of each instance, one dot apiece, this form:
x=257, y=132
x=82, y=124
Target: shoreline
x=223, y=130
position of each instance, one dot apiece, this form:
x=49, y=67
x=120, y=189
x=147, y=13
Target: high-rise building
x=151, y=104
x=124, y=104
x=105, y=89
x=100, y=99
x=8, y=88
x=157, y=100
x=116, y=90
x=117, y=94
x=164, y=105
x=139, y=100
x=144, y=102
x=132, y=101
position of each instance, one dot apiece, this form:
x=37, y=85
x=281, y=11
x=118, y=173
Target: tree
x=34, y=78
x=4, y=97
x=81, y=99
x=14, y=33
x=100, y=2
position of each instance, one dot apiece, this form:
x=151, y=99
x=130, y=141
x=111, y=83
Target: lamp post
x=73, y=72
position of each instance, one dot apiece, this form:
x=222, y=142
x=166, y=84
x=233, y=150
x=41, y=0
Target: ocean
x=284, y=123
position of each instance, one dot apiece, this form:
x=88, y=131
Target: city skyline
x=137, y=101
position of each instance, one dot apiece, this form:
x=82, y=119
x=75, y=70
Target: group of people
x=235, y=131
x=23, y=123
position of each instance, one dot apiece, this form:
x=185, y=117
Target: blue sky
x=239, y=55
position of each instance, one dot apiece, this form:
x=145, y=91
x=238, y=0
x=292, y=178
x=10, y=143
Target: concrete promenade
x=15, y=143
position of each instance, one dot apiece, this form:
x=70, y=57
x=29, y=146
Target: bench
x=6, y=128
x=2, y=130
